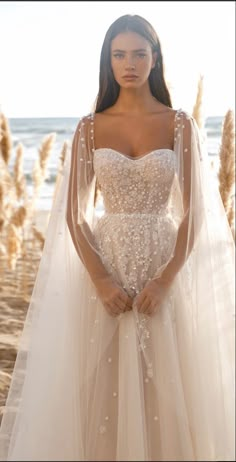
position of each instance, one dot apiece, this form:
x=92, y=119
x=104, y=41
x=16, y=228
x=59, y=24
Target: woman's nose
x=129, y=64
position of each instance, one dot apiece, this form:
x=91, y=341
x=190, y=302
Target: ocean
x=31, y=131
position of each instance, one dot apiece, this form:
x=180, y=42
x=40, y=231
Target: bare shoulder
x=105, y=120
x=105, y=115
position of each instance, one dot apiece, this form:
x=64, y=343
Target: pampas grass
x=17, y=209
x=231, y=214
x=40, y=167
x=19, y=178
x=38, y=236
x=1, y=196
x=13, y=246
x=231, y=217
x=19, y=216
x=226, y=173
x=23, y=288
x=63, y=153
x=197, y=109
x=5, y=139
x=6, y=179
x=2, y=222
x=37, y=177
x=60, y=167
x=44, y=153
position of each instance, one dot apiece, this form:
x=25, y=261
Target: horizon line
x=78, y=116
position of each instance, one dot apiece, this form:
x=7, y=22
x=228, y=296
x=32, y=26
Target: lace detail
x=138, y=230
x=134, y=246
x=130, y=186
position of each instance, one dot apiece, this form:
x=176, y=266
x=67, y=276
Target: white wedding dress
x=88, y=386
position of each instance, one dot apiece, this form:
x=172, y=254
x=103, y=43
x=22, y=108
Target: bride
x=127, y=352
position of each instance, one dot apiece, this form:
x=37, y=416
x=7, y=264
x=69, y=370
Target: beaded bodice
x=139, y=217
x=135, y=185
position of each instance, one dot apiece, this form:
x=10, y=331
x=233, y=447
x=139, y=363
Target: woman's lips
x=130, y=77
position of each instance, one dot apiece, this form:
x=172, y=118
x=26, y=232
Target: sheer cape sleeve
x=81, y=216
x=191, y=160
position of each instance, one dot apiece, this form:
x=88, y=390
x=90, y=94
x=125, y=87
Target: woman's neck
x=135, y=101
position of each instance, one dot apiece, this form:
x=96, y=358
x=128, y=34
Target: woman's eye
x=118, y=55
x=141, y=55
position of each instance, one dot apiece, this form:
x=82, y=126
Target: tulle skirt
x=88, y=386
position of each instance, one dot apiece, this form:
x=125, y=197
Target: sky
x=50, y=53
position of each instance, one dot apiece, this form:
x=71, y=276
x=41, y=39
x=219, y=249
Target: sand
x=16, y=287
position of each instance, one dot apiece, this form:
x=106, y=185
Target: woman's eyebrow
x=123, y=51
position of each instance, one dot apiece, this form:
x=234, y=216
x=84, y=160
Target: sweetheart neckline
x=132, y=157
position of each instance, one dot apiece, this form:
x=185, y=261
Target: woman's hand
x=113, y=297
x=152, y=296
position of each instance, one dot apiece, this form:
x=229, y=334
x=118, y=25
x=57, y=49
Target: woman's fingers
x=119, y=305
x=152, y=308
x=126, y=301
x=143, y=302
x=145, y=305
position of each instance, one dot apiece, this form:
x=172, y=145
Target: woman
x=131, y=320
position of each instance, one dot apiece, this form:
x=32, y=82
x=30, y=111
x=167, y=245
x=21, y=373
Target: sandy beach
x=15, y=291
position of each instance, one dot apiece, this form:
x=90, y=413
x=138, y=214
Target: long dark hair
x=108, y=87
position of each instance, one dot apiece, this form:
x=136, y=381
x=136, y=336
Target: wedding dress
x=89, y=386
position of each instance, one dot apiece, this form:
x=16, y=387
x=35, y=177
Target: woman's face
x=132, y=59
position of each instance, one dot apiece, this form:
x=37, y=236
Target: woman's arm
x=190, y=226
x=80, y=202
x=80, y=185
